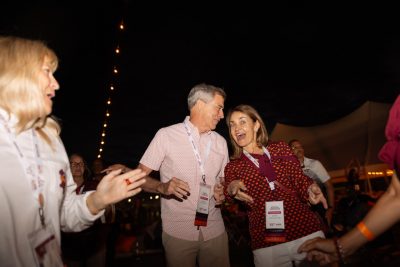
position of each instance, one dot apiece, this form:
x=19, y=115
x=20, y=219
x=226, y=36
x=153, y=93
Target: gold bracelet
x=339, y=250
x=365, y=231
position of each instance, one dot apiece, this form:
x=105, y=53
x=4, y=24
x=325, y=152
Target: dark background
x=301, y=64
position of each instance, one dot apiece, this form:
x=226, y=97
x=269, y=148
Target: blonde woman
x=37, y=196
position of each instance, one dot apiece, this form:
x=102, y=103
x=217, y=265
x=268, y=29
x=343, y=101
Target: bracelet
x=365, y=231
x=339, y=250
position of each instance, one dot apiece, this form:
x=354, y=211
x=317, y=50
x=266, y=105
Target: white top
x=315, y=170
x=19, y=214
x=172, y=154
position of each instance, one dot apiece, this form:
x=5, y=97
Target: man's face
x=297, y=149
x=213, y=112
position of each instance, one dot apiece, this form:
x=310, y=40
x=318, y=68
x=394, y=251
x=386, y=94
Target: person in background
x=191, y=158
x=384, y=214
x=314, y=169
x=38, y=196
x=88, y=247
x=97, y=169
x=267, y=177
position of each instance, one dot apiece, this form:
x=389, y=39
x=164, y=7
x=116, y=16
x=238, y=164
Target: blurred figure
x=97, y=169
x=191, y=158
x=315, y=170
x=352, y=208
x=88, y=247
x=37, y=189
x=267, y=177
x=381, y=217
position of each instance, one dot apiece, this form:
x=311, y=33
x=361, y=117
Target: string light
x=112, y=88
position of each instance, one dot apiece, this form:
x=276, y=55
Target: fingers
x=244, y=197
x=323, y=201
x=181, y=193
x=178, y=188
x=219, y=194
x=134, y=192
x=115, y=167
x=308, y=245
x=235, y=187
x=133, y=175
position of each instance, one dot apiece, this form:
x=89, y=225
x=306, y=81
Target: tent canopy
x=358, y=135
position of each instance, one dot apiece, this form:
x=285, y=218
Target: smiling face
x=48, y=84
x=243, y=130
x=213, y=112
x=205, y=115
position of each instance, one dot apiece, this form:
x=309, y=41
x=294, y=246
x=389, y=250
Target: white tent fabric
x=359, y=135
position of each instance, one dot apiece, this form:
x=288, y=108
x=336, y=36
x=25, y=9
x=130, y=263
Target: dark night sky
x=301, y=64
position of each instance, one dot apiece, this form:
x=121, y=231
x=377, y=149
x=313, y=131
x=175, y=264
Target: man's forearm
x=152, y=185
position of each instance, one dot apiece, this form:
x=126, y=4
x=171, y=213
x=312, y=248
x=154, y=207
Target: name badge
x=46, y=249
x=275, y=222
x=203, y=205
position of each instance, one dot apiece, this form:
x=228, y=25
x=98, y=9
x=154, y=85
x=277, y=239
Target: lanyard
x=257, y=164
x=196, y=152
x=34, y=178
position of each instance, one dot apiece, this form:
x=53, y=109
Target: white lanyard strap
x=196, y=152
x=252, y=159
x=257, y=164
x=34, y=177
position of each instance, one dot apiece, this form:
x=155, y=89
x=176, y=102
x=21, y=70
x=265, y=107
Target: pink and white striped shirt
x=171, y=153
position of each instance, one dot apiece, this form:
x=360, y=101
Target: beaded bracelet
x=365, y=231
x=339, y=250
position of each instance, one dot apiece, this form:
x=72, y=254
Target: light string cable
x=112, y=87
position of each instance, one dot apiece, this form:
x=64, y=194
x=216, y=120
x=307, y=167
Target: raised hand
x=316, y=196
x=237, y=189
x=115, y=187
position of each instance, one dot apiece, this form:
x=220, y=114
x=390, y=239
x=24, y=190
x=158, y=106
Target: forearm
x=152, y=185
x=331, y=194
x=94, y=203
x=382, y=216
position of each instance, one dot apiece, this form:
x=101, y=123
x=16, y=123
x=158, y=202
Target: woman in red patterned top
x=268, y=178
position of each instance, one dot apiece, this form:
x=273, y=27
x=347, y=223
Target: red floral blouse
x=300, y=221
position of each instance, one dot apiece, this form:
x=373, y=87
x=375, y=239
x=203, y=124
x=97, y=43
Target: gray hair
x=204, y=92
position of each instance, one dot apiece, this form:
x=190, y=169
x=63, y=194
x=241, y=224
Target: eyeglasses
x=77, y=164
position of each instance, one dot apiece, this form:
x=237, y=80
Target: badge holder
x=202, y=206
x=45, y=246
x=275, y=222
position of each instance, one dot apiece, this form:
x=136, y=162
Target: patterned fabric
x=19, y=211
x=171, y=152
x=300, y=221
x=390, y=152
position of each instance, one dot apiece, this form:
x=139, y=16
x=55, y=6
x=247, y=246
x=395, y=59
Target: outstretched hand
x=237, y=189
x=319, y=249
x=114, y=167
x=316, y=196
x=115, y=187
